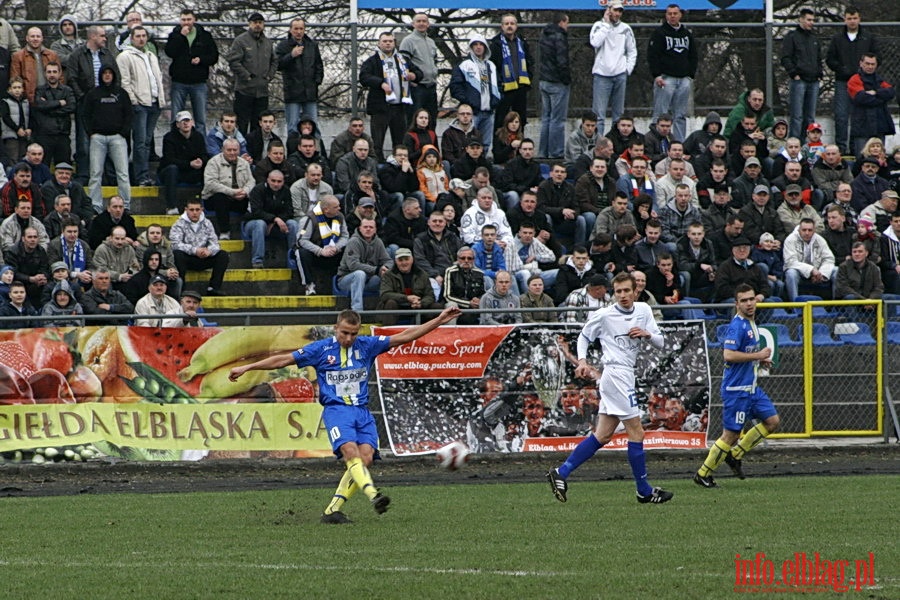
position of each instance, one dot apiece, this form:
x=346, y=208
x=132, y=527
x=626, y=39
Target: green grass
x=451, y=541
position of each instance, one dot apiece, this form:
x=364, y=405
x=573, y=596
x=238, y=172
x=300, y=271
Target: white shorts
x=617, y=396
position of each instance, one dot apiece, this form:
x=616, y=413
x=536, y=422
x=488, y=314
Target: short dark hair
x=601, y=239
x=743, y=288
x=188, y=11
x=525, y=224
x=589, y=115
x=488, y=226
x=653, y=222
x=807, y=11
x=266, y=113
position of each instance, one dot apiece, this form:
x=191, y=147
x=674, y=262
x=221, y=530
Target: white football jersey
x=611, y=326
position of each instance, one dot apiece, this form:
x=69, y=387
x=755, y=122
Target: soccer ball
x=452, y=456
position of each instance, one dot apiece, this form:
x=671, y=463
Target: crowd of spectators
x=478, y=214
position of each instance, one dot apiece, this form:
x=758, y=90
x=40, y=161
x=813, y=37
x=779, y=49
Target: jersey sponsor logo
x=625, y=342
x=346, y=376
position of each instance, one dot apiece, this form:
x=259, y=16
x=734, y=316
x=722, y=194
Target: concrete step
x=144, y=221
x=257, y=276
x=223, y=303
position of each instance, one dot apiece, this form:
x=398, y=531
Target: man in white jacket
x=808, y=260
x=614, y=60
x=142, y=79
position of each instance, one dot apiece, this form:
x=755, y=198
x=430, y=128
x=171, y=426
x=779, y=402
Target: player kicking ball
x=342, y=363
x=621, y=329
x=742, y=398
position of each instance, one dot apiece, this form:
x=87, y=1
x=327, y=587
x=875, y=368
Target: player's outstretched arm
x=275, y=361
x=414, y=333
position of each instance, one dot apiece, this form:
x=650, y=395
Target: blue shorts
x=739, y=407
x=347, y=423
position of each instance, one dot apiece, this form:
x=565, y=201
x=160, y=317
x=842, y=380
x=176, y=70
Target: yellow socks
x=346, y=488
x=716, y=457
x=361, y=477
x=749, y=441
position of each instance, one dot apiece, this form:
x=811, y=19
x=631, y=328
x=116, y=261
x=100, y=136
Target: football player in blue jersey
x=342, y=363
x=742, y=398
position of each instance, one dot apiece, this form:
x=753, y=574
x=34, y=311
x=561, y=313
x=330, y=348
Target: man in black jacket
x=387, y=75
x=183, y=159
x=107, y=116
x=403, y=224
x=193, y=51
x=302, y=72
x=101, y=299
x=801, y=57
x=673, y=58
x=83, y=75
x=844, y=52
x=555, y=80
x=61, y=183
x=515, y=69
x=31, y=264
x=271, y=213
x=54, y=105
x=521, y=173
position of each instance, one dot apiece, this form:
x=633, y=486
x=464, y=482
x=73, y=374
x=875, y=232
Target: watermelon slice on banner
x=167, y=350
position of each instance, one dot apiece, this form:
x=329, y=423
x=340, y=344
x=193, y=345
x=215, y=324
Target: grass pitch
x=449, y=541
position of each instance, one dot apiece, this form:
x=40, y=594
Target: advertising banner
x=158, y=393
x=513, y=389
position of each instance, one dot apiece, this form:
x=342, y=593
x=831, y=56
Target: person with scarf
x=75, y=252
x=510, y=54
x=474, y=83
x=387, y=74
x=320, y=244
x=638, y=182
x=870, y=96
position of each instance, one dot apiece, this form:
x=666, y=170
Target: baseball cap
x=598, y=279
x=870, y=160
x=752, y=161
x=474, y=141
x=367, y=202
x=403, y=252
x=183, y=115
x=812, y=126
x=64, y=166
x=159, y=279
x=761, y=189
x=890, y=194
x=192, y=294
x=793, y=189
x=458, y=184
x=255, y=17
x=740, y=241
x=615, y=4
x=57, y=266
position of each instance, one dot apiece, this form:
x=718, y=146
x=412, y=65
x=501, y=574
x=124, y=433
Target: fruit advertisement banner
x=513, y=389
x=151, y=393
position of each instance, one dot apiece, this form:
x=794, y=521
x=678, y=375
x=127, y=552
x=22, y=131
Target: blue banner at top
x=571, y=5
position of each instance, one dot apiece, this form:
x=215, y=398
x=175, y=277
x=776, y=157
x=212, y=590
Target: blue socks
x=583, y=451
x=638, y=467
